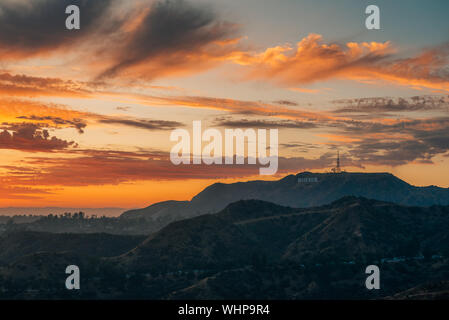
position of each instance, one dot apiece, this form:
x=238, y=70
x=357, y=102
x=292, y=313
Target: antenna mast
x=337, y=169
x=338, y=161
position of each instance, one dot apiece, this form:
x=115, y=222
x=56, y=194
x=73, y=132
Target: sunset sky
x=86, y=115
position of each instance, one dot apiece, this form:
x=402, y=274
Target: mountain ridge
x=252, y=249
x=351, y=230
x=302, y=190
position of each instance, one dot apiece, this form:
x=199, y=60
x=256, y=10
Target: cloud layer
x=31, y=138
x=171, y=37
x=29, y=28
x=312, y=60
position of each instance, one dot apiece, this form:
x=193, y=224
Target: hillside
x=199, y=243
x=295, y=191
x=252, y=249
x=431, y=291
x=350, y=229
x=14, y=245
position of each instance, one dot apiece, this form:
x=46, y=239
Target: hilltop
x=301, y=191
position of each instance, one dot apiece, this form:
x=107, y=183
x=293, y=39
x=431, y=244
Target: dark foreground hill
x=16, y=244
x=302, y=190
x=259, y=250
x=350, y=229
x=255, y=249
x=433, y=291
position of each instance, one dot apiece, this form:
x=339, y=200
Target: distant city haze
x=108, y=212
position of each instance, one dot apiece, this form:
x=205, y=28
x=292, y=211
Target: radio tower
x=337, y=169
x=338, y=161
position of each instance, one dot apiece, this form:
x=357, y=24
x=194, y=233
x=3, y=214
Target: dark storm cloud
x=171, y=31
x=28, y=27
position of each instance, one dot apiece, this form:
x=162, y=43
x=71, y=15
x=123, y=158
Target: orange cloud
x=312, y=60
x=14, y=111
x=11, y=109
x=16, y=192
x=338, y=138
x=26, y=86
x=80, y=168
x=231, y=105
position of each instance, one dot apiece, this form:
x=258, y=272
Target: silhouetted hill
x=302, y=190
x=198, y=243
x=252, y=249
x=358, y=229
x=431, y=291
x=157, y=210
x=350, y=229
x=21, y=243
